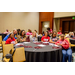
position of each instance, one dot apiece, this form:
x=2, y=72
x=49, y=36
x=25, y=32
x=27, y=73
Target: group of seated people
x=19, y=36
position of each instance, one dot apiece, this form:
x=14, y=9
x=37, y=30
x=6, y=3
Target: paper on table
x=45, y=42
x=26, y=42
x=42, y=45
x=51, y=44
x=17, y=44
x=56, y=45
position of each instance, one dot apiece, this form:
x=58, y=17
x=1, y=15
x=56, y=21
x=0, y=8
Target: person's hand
x=58, y=44
x=23, y=40
x=20, y=39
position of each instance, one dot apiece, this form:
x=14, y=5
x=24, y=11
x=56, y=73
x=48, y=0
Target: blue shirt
x=7, y=37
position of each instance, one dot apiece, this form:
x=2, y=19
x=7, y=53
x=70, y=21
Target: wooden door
x=72, y=26
x=65, y=27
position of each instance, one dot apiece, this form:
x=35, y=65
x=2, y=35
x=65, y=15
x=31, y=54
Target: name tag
x=12, y=42
x=46, y=40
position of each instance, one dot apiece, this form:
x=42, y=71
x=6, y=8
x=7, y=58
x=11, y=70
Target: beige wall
x=63, y=14
x=22, y=20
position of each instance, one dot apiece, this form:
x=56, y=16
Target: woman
x=43, y=33
x=66, y=51
x=59, y=32
x=7, y=31
x=29, y=32
x=50, y=30
x=33, y=37
x=11, y=39
x=45, y=38
x=36, y=32
x=70, y=35
x=18, y=31
x=54, y=38
x=21, y=37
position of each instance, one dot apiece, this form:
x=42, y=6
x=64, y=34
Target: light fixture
x=46, y=26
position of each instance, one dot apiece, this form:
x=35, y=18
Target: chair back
x=7, y=48
x=59, y=37
x=69, y=42
x=65, y=34
x=0, y=39
x=3, y=42
x=19, y=55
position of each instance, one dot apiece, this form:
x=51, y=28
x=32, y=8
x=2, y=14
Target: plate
x=42, y=45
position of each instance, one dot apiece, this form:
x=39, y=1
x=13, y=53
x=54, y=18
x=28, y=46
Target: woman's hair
x=43, y=33
x=10, y=35
x=35, y=31
x=35, y=35
x=47, y=33
x=28, y=30
x=53, y=33
x=70, y=33
x=48, y=29
x=21, y=33
x=18, y=30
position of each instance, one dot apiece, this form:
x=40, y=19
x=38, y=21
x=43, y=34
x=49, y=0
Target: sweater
x=65, y=43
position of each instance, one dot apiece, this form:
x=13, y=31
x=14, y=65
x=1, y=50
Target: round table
x=72, y=40
x=45, y=54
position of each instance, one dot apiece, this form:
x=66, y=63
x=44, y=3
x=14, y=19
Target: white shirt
x=33, y=38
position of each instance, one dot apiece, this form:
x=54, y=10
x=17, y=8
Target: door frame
x=40, y=26
x=65, y=19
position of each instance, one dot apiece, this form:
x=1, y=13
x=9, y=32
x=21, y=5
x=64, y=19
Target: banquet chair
x=69, y=42
x=65, y=34
x=18, y=56
x=0, y=41
x=3, y=42
x=7, y=48
x=59, y=37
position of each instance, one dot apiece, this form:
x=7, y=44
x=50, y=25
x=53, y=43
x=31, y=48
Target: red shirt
x=9, y=40
x=50, y=31
x=59, y=33
x=65, y=43
x=45, y=39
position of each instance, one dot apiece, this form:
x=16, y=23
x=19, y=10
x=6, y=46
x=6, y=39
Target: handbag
x=10, y=55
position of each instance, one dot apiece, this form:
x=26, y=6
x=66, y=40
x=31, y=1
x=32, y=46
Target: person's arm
x=51, y=41
x=15, y=41
x=42, y=39
x=66, y=46
x=6, y=38
x=58, y=42
x=19, y=39
x=8, y=41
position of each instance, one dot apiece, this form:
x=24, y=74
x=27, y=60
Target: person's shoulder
x=65, y=39
x=59, y=40
x=9, y=39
